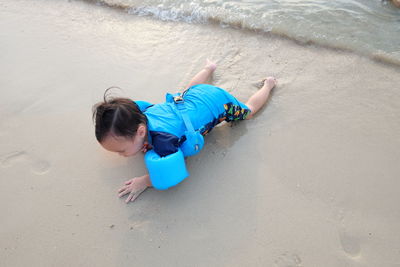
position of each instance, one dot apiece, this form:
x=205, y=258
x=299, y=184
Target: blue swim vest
x=172, y=139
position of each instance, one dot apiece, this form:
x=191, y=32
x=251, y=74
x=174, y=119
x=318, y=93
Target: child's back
x=205, y=105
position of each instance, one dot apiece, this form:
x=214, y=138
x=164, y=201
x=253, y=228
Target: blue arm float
x=166, y=171
x=193, y=144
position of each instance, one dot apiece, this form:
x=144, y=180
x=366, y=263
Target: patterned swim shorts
x=232, y=113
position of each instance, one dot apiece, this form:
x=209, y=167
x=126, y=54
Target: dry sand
x=313, y=180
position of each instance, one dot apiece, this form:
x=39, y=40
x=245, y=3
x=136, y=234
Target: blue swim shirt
x=206, y=106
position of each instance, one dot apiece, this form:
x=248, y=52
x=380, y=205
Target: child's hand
x=210, y=65
x=134, y=187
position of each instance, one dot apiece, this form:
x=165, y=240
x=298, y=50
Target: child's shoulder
x=143, y=105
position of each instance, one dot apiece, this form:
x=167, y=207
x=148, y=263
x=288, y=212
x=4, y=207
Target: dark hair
x=118, y=116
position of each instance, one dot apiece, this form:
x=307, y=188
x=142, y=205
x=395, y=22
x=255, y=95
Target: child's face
x=126, y=146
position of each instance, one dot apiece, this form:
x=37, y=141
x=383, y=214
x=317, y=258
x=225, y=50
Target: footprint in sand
x=288, y=260
x=350, y=244
x=40, y=167
x=9, y=159
x=37, y=166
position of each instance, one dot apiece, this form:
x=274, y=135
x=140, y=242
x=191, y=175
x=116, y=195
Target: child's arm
x=135, y=187
x=204, y=75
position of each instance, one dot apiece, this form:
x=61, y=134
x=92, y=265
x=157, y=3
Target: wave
x=196, y=13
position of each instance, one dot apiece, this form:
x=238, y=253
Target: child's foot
x=210, y=65
x=269, y=83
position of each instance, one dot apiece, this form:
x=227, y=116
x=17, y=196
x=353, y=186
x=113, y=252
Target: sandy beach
x=312, y=180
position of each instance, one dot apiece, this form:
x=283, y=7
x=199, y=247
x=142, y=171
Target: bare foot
x=269, y=83
x=210, y=65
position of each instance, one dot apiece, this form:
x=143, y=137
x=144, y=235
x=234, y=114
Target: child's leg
x=204, y=75
x=257, y=100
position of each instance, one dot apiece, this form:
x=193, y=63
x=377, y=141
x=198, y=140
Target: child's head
x=120, y=125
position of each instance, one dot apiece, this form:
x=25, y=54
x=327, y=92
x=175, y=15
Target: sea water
x=369, y=27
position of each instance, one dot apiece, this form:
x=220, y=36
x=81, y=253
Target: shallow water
x=369, y=27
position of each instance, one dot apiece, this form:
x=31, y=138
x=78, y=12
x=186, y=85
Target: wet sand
x=310, y=181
